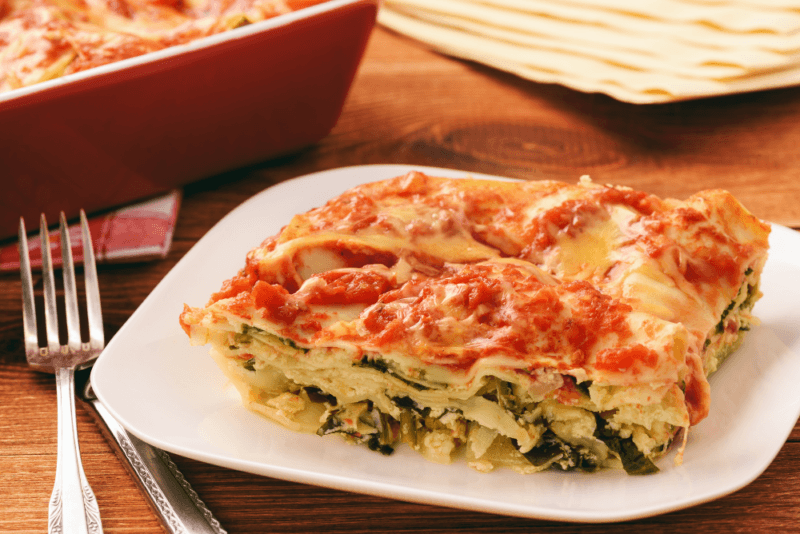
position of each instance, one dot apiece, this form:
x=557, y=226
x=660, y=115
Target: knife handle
x=170, y=495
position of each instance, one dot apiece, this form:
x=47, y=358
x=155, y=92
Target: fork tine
x=94, y=313
x=28, y=303
x=70, y=290
x=50, y=309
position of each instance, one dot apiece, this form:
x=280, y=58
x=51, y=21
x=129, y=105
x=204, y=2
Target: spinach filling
x=721, y=324
x=381, y=433
x=372, y=427
x=554, y=451
x=633, y=460
x=245, y=337
x=583, y=387
x=383, y=367
x=292, y=344
x=747, y=304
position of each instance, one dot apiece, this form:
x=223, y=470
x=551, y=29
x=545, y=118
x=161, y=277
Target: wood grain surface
x=409, y=105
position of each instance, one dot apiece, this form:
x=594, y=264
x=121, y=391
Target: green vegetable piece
x=374, y=444
x=553, y=450
x=633, y=460
x=549, y=450
x=290, y=343
x=331, y=425
x=383, y=367
x=583, y=387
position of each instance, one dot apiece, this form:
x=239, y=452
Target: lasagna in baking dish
x=45, y=39
x=524, y=325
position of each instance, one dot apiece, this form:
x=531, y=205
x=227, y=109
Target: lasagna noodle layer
x=523, y=324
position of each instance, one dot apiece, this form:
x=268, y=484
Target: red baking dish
x=141, y=126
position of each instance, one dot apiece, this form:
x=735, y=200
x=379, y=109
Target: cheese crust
x=515, y=324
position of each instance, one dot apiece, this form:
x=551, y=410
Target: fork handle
x=73, y=507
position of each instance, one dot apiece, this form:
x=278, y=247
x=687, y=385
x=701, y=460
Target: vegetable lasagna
x=44, y=39
x=523, y=325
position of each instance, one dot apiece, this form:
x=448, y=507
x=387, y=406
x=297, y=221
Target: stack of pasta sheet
x=640, y=51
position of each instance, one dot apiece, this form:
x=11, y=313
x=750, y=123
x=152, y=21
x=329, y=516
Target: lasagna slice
x=524, y=325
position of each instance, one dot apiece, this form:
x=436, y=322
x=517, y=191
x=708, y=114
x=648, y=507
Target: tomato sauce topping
x=353, y=210
x=242, y=282
x=377, y=319
x=281, y=273
x=597, y=315
x=277, y=304
x=626, y=359
x=356, y=256
x=504, y=309
x=413, y=184
x=710, y=255
x=569, y=216
x=349, y=287
x=712, y=268
x=638, y=200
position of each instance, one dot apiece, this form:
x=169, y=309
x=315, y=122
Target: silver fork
x=73, y=507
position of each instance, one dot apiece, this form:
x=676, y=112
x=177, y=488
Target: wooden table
x=409, y=105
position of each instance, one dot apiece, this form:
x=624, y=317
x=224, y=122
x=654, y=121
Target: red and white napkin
x=139, y=232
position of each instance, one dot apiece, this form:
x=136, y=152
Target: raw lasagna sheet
x=520, y=325
x=638, y=52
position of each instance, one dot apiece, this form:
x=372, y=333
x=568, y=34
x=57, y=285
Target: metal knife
x=177, y=505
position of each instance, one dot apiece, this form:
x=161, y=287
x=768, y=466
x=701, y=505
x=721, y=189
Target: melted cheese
x=591, y=252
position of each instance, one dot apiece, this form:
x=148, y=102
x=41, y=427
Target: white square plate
x=173, y=396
